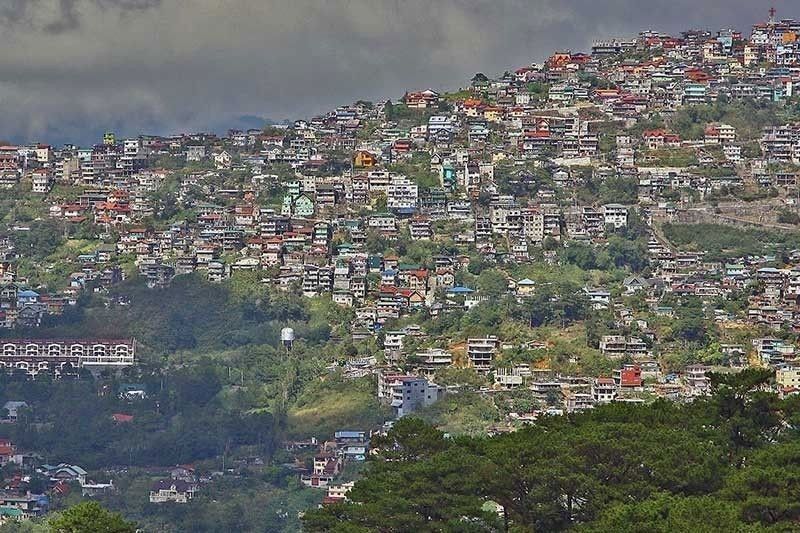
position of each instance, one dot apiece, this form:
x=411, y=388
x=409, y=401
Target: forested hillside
x=729, y=462
x=221, y=393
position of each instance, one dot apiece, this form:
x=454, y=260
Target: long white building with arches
x=65, y=356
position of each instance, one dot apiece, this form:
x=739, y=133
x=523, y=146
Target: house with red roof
x=8, y=453
x=421, y=99
x=656, y=139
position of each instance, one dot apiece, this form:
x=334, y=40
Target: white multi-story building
x=615, y=215
x=132, y=147
x=481, y=351
x=66, y=356
x=440, y=123
x=432, y=360
x=604, y=390
x=533, y=224
x=402, y=194
x=42, y=180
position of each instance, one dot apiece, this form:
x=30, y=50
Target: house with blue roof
x=27, y=297
x=458, y=291
x=389, y=277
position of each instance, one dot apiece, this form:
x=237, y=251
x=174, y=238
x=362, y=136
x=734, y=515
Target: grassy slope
x=334, y=404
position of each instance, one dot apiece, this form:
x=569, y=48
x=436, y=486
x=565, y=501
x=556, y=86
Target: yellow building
x=788, y=377
x=364, y=159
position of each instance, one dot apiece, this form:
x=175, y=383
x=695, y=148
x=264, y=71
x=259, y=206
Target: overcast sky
x=70, y=69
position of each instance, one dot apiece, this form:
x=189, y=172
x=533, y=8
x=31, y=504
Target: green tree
x=492, y=282
x=766, y=489
x=410, y=439
x=788, y=217
x=41, y=239
x=628, y=253
x=667, y=514
x=90, y=517
x=747, y=415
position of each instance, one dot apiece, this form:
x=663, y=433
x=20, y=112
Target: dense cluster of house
x=639, y=374
x=493, y=170
x=17, y=500
x=321, y=464
x=29, y=485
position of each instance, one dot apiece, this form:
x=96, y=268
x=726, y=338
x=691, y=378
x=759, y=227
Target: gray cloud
x=57, y=16
x=67, y=17
x=73, y=68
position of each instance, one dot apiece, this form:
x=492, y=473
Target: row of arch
x=101, y=350
x=34, y=368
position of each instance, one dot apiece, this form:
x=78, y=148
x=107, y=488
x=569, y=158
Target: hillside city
x=613, y=226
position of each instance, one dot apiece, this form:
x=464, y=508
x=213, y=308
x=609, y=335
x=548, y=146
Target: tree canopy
x=90, y=517
x=722, y=463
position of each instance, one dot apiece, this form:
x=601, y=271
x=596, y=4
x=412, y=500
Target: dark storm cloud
x=64, y=14
x=72, y=68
